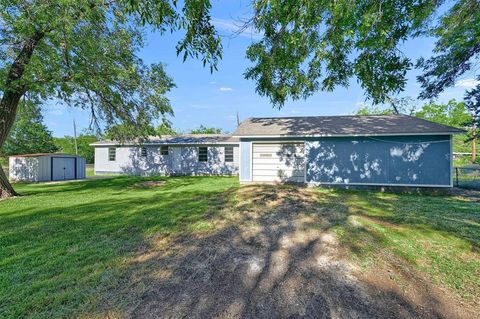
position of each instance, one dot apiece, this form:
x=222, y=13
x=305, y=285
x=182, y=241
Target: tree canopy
x=66, y=145
x=452, y=113
x=309, y=46
x=457, y=48
x=206, y=130
x=29, y=134
x=85, y=52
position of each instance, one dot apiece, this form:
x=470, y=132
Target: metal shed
x=45, y=167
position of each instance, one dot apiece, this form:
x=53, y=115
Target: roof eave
x=345, y=135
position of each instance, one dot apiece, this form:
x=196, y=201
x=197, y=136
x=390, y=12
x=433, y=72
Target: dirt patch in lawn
x=149, y=184
x=276, y=256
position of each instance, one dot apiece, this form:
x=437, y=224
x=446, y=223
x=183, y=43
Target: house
x=45, y=167
x=379, y=150
x=209, y=154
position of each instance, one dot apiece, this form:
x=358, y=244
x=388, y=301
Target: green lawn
x=89, y=170
x=66, y=248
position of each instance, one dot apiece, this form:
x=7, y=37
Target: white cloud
x=212, y=82
x=467, y=83
x=226, y=89
x=236, y=28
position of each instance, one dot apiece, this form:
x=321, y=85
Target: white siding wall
x=129, y=161
x=23, y=169
x=38, y=169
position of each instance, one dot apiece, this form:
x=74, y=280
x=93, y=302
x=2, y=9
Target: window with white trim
x=203, y=154
x=112, y=154
x=163, y=150
x=228, y=154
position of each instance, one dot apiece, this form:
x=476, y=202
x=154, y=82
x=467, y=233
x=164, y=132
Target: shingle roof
x=183, y=139
x=340, y=126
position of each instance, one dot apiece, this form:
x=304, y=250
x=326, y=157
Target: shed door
x=63, y=168
x=279, y=162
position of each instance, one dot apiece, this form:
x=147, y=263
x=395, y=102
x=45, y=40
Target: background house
x=209, y=154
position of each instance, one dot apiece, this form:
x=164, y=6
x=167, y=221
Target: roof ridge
x=318, y=116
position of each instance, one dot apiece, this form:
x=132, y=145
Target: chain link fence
x=467, y=177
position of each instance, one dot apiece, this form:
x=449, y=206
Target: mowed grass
x=65, y=247
x=438, y=235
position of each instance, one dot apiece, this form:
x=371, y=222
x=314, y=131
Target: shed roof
x=183, y=139
x=345, y=125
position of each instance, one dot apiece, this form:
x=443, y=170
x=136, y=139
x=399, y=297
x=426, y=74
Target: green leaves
x=319, y=45
x=457, y=48
x=29, y=134
x=206, y=130
x=88, y=56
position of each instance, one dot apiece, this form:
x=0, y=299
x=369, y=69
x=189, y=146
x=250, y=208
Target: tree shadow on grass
x=455, y=216
x=60, y=259
x=184, y=251
x=279, y=259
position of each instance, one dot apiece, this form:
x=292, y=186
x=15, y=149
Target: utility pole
x=474, y=143
x=238, y=120
x=75, y=137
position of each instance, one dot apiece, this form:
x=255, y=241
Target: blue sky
x=214, y=99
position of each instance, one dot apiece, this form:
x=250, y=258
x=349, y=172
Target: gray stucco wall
x=402, y=160
x=181, y=160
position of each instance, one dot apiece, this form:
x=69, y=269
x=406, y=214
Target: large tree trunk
x=6, y=189
x=13, y=91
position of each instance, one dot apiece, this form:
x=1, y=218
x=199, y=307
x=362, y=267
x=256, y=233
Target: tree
x=373, y=110
x=84, y=52
x=206, y=130
x=456, y=50
x=405, y=105
x=318, y=45
x=452, y=113
x=165, y=129
x=66, y=145
x=472, y=102
x=29, y=134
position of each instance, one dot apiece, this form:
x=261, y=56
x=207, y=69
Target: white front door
x=278, y=162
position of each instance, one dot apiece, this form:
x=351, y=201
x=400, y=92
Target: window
x=143, y=152
x=112, y=153
x=229, y=154
x=163, y=150
x=202, y=154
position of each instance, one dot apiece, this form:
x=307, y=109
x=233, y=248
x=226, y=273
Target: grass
x=65, y=248
x=436, y=235
x=89, y=170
